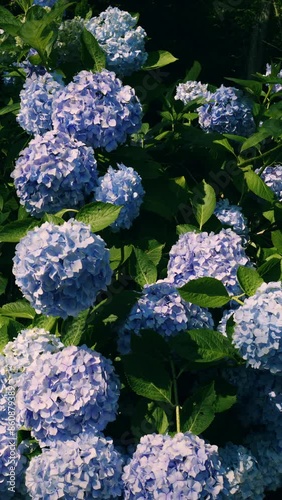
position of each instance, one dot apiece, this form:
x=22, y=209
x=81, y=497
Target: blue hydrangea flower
x=44, y=3
x=272, y=176
x=258, y=330
x=118, y=36
x=183, y=466
x=227, y=111
x=231, y=215
x=222, y=325
x=242, y=473
x=11, y=455
x=64, y=393
x=97, y=109
x=161, y=308
x=36, y=98
x=196, y=255
x=61, y=269
x=85, y=467
x=53, y=172
x=191, y=90
x=121, y=187
x=276, y=87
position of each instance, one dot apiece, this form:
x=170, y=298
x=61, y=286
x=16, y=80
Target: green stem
x=248, y=162
x=238, y=300
x=175, y=391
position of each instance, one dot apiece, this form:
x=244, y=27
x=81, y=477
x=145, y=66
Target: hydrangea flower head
x=160, y=308
x=62, y=394
x=242, y=473
x=118, y=36
x=183, y=466
x=85, y=467
x=231, y=215
x=44, y=3
x=277, y=87
x=258, y=330
x=68, y=44
x=268, y=453
x=191, y=90
x=227, y=112
x=36, y=98
x=272, y=176
x=196, y=255
x=97, y=109
x=61, y=269
x=121, y=187
x=53, y=172
x=11, y=455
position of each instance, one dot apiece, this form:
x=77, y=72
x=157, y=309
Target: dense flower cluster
x=10, y=454
x=207, y=254
x=121, y=187
x=64, y=393
x=55, y=171
x=83, y=468
x=231, y=215
x=190, y=90
x=183, y=466
x=36, y=98
x=268, y=453
x=68, y=44
x=272, y=176
x=161, y=308
x=97, y=109
x=242, y=473
x=61, y=269
x=123, y=43
x=258, y=331
x=44, y=3
x=277, y=87
x=227, y=112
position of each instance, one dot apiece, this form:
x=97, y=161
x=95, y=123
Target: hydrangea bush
x=140, y=265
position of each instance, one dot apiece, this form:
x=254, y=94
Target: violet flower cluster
x=231, y=215
x=272, y=176
x=188, y=91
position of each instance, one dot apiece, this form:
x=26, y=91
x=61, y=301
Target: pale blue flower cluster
x=188, y=91
x=161, y=308
x=165, y=467
x=97, y=109
x=68, y=392
x=242, y=473
x=61, y=269
x=36, y=99
x=196, y=255
x=272, y=176
x=53, y=172
x=123, y=42
x=268, y=452
x=231, y=215
x=277, y=87
x=227, y=111
x=258, y=330
x=85, y=467
x=121, y=187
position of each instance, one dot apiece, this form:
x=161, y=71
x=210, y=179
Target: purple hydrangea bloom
x=61, y=269
x=191, y=90
x=231, y=215
x=227, y=112
x=55, y=171
x=62, y=394
x=123, y=42
x=165, y=467
x=85, y=467
x=161, y=308
x=38, y=93
x=242, y=473
x=97, y=109
x=196, y=255
x=276, y=87
x=258, y=330
x=121, y=187
x=272, y=176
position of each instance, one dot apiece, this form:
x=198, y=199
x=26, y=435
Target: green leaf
x=46, y=322
x=255, y=139
x=251, y=85
x=18, y=309
x=249, y=279
x=74, y=328
x=154, y=251
x=276, y=238
x=157, y=417
x=193, y=73
x=3, y=284
x=186, y=228
x=225, y=144
x=198, y=411
x=203, y=202
x=13, y=232
x=8, y=330
x=148, y=418
x=225, y=396
x=257, y=186
x=11, y=108
x=147, y=377
x=144, y=270
x=9, y=23
x=271, y=270
x=119, y=255
x=158, y=59
x=96, y=52
x=205, y=292
x=151, y=343
x=98, y=214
